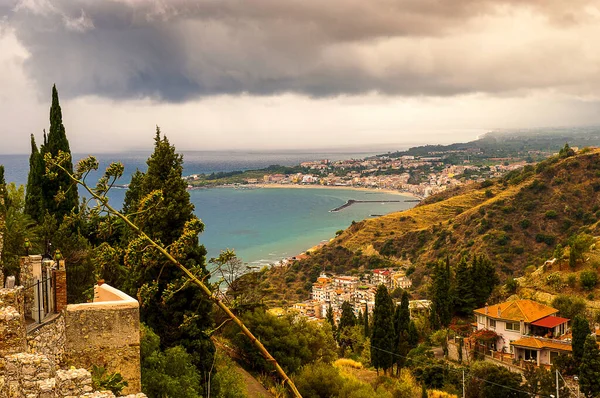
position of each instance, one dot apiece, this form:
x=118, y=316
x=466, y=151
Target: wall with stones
x=48, y=338
x=12, y=321
x=105, y=334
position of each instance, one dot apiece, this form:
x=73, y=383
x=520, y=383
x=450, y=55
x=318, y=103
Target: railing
x=42, y=291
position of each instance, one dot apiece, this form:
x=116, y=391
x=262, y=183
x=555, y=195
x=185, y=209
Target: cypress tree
x=464, y=300
x=413, y=335
x=382, y=341
x=401, y=321
x=329, y=317
x=57, y=141
x=441, y=300
x=484, y=279
x=366, y=321
x=347, y=319
x=3, y=197
x=581, y=330
x=34, y=197
x=589, y=370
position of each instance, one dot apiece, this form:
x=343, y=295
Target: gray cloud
x=182, y=49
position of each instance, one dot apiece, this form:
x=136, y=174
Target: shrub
x=572, y=280
x=525, y=224
x=102, y=380
x=588, y=279
x=555, y=280
x=512, y=285
x=569, y=306
x=489, y=193
x=551, y=214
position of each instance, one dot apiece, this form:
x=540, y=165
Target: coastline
x=338, y=187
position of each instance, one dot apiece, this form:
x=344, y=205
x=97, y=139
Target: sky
x=295, y=74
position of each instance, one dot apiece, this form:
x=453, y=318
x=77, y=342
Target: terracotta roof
x=539, y=344
x=518, y=310
x=550, y=321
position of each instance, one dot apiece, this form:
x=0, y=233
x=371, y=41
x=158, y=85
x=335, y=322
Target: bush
x=569, y=306
x=525, y=224
x=101, y=380
x=319, y=380
x=572, y=280
x=512, y=285
x=588, y=279
x=551, y=214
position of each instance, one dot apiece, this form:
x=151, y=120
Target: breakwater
x=350, y=202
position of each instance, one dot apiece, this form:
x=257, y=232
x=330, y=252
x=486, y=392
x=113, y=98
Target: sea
x=263, y=226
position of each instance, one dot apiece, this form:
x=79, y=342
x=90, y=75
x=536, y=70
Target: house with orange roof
x=525, y=328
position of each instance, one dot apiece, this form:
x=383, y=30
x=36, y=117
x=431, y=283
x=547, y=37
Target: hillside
x=517, y=221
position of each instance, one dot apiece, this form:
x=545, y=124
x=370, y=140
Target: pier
x=350, y=202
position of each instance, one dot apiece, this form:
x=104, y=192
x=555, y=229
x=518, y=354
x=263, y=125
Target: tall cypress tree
x=441, y=298
x=589, y=370
x=464, y=302
x=382, y=340
x=3, y=195
x=34, y=198
x=484, y=278
x=366, y=321
x=581, y=329
x=57, y=141
x=401, y=322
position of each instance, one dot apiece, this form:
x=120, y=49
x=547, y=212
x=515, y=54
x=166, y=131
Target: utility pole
x=463, y=383
x=557, y=388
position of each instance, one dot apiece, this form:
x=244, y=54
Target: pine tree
x=382, y=340
x=485, y=279
x=57, y=141
x=177, y=312
x=34, y=198
x=441, y=303
x=581, y=330
x=464, y=302
x=589, y=370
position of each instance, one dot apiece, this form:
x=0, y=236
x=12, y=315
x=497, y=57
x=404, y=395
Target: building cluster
x=390, y=173
x=360, y=292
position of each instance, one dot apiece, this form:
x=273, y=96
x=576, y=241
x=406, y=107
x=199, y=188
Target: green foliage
x=441, y=295
x=227, y=382
x=59, y=185
x=293, y=342
x=511, y=285
x=551, y=214
x=464, y=302
x=569, y=306
x=579, y=245
x=102, y=380
x=566, y=152
x=501, y=382
x=589, y=370
x=16, y=226
x=382, y=338
x=401, y=330
x=34, y=200
x=588, y=279
x=319, y=380
x=581, y=329
x=158, y=202
x=169, y=373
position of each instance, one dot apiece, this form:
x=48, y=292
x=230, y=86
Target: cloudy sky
x=264, y=74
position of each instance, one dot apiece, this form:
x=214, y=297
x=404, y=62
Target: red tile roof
x=550, y=321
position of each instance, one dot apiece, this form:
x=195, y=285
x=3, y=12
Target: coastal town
x=420, y=176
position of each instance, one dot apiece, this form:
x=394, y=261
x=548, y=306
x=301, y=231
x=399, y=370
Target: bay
x=261, y=225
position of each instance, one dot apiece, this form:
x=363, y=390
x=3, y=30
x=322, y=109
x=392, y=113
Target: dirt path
x=253, y=387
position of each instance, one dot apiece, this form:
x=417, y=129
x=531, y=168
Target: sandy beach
x=312, y=186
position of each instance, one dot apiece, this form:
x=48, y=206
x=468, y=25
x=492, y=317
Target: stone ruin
x=36, y=359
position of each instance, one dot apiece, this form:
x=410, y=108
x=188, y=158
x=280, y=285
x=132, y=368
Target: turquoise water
x=261, y=225
x=265, y=225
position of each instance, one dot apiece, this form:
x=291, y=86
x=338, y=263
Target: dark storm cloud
x=177, y=50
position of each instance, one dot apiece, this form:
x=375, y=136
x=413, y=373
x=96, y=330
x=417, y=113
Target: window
x=493, y=323
x=513, y=326
x=530, y=355
x=553, y=355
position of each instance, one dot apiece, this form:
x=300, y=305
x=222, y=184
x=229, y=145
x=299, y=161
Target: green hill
x=517, y=221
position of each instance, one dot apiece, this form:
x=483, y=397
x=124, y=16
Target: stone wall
x=48, y=338
x=12, y=322
x=105, y=334
x=26, y=375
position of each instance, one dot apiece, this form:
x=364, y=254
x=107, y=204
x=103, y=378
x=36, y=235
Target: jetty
x=350, y=202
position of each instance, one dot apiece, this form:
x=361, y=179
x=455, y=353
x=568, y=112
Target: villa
x=524, y=330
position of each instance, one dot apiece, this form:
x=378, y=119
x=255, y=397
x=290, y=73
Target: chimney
x=499, y=312
x=60, y=287
x=486, y=309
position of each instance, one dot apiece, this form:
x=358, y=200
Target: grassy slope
x=516, y=223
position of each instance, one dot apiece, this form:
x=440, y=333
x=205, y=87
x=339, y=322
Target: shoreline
x=336, y=187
